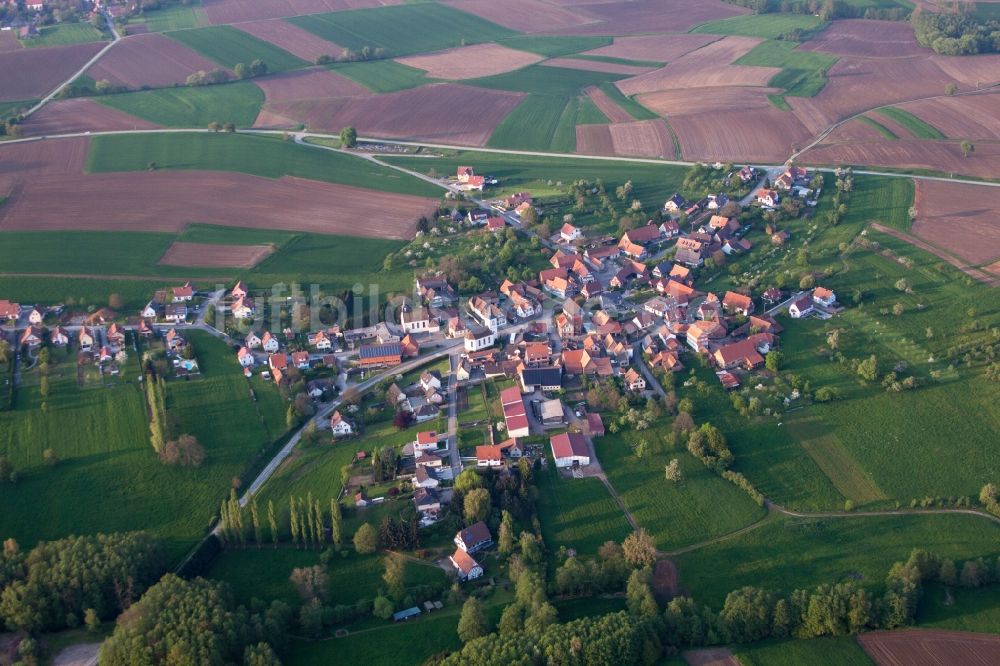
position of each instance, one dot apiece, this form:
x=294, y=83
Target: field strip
x=834, y=460
x=974, y=273
x=143, y=278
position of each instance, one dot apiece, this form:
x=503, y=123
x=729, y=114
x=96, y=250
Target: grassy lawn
x=402, y=29
x=108, y=477
x=578, y=513
x=792, y=553
x=383, y=76
x=839, y=650
x=767, y=26
x=64, y=34
x=555, y=46
x=917, y=127
x=700, y=507
x=965, y=609
x=879, y=127
x=270, y=157
x=803, y=73
x=174, y=17
x=238, y=103
x=264, y=574
x=228, y=46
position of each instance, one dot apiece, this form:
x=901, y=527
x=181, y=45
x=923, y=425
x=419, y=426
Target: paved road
x=115, y=39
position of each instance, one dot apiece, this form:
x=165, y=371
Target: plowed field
x=930, y=647
x=960, y=218
x=80, y=115
x=657, y=48
x=523, y=15
x=31, y=73
x=291, y=38
x=211, y=255
x=149, y=60
x=470, y=62
x=237, y=11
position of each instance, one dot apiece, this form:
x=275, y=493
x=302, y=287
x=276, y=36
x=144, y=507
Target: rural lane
x=97, y=56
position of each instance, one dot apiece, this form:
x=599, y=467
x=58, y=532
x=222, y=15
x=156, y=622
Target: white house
x=416, y=320
x=467, y=567
x=270, y=342
x=426, y=441
x=570, y=233
x=479, y=338
x=801, y=307
x=425, y=477
x=570, y=450
x=823, y=296
x=245, y=357
x=183, y=294
x=339, y=427
x=474, y=538
x=488, y=314
x=430, y=380
x=253, y=340
x=150, y=311
x=242, y=308
x=176, y=312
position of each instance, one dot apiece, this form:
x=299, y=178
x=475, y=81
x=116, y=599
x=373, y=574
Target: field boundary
x=974, y=273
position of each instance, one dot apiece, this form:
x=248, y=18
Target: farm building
x=473, y=538
x=381, y=355
x=514, y=413
x=467, y=567
x=570, y=450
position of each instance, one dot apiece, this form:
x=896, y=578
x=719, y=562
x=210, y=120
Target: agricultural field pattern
x=447, y=332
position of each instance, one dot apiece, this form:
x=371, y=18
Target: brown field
x=523, y=15
x=855, y=85
x=597, y=66
x=867, y=39
x=960, y=218
x=637, y=17
x=21, y=162
x=268, y=119
x=943, y=156
x=238, y=11
x=680, y=102
x=470, y=62
x=31, y=73
x=9, y=42
x=594, y=140
x=657, y=48
x=309, y=84
x=710, y=657
x=965, y=117
x=291, y=38
x=209, y=255
x=853, y=130
x=643, y=138
x=755, y=135
x=608, y=107
x=708, y=67
x=447, y=112
x=80, y=115
x=148, y=60
x=148, y=201
x=974, y=71
x=930, y=647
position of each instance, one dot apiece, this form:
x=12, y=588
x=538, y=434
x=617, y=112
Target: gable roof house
x=86, y=339
x=466, y=566
x=242, y=308
x=801, y=307
x=9, y=311
x=734, y=303
x=823, y=296
x=59, y=336
x=699, y=334
x=570, y=233
x=425, y=477
x=176, y=312
x=240, y=290
x=320, y=340
x=634, y=381
x=769, y=198
x=742, y=354
x=32, y=336
x=340, y=427
x=270, y=343
x=474, y=538
x=675, y=203
x=182, y=294
x=487, y=312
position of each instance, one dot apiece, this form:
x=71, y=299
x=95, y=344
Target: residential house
x=86, y=339
x=495, y=224
x=176, y=313
x=634, y=381
x=700, y=333
x=427, y=440
x=474, y=538
x=380, y=355
x=104, y=355
x=536, y=353
x=487, y=313
x=689, y=252
x=477, y=216
x=823, y=296
x=681, y=274
x=598, y=257
x=773, y=295
x=426, y=412
x=361, y=499
x=300, y=360
x=489, y=456
x=675, y=204
x=427, y=500
x=242, y=308
x=253, y=340
x=240, y=290
x=174, y=340
x=245, y=357
x=570, y=233
x=409, y=346
x=479, y=338
x=277, y=362
x=717, y=201
x=736, y=246
x=339, y=426
x=670, y=229
x=518, y=198
x=768, y=198
x=416, y=320
x=570, y=449
x=747, y=174
x=151, y=311
x=801, y=307
x=425, y=477
x=565, y=326
x=456, y=327
x=740, y=304
x=182, y=294
x=36, y=316
x=522, y=306
x=320, y=341
x=270, y=343
x=115, y=336
x=742, y=354
x=9, y=311
x=467, y=567
x=32, y=336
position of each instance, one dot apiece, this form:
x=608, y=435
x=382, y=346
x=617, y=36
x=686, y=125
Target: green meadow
x=229, y=46
x=238, y=103
x=64, y=34
x=766, y=26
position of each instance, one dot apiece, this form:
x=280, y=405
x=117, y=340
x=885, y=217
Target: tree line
x=825, y=9
x=959, y=33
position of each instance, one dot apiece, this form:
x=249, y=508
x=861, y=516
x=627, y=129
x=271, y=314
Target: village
x=615, y=313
